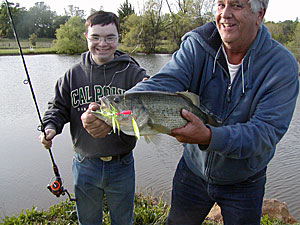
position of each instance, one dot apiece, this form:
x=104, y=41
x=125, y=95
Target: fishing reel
x=55, y=187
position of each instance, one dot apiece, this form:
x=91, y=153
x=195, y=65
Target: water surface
x=25, y=167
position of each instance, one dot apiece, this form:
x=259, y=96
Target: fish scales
x=154, y=112
x=165, y=110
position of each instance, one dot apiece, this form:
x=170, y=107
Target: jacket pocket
x=258, y=162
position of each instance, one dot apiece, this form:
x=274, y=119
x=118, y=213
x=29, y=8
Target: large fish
x=152, y=112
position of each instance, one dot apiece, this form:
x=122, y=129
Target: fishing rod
x=55, y=186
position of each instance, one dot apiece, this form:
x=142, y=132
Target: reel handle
x=56, y=188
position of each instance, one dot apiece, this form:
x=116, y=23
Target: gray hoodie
x=84, y=83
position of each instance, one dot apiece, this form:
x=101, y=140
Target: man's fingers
x=188, y=115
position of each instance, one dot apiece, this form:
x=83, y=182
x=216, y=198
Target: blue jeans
x=192, y=199
x=94, y=177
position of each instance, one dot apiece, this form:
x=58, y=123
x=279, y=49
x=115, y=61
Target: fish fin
x=155, y=139
x=212, y=119
x=130, y=133
x=193, y=97
x=147, y=139
x=160, y=128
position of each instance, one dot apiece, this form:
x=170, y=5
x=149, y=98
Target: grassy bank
x=148, y=211
x=10, y=47
x=27, y=51
x=45, y=46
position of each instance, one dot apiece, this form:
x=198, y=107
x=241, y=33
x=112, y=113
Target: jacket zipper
x=211, y=154
x=208, y=167
x=228, y=94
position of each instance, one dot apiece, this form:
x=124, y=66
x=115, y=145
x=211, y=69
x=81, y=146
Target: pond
x=25, y=166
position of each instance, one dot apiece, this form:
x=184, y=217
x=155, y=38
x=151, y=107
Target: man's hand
x=47, y=141
x=94, y=126
x=194, y=132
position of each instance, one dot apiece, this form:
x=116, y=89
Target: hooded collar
x=119, y=57
x=208, y=37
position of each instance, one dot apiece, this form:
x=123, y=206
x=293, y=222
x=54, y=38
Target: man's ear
x=260, y=16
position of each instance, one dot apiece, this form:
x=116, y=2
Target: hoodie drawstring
x=91, y=83
x=243, y=78
x=242, y=68
x=215, y=60
x=113, y=77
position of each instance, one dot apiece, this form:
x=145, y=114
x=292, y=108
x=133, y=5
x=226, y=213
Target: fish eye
x=116, y=99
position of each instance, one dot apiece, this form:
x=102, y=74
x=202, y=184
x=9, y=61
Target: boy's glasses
x=107, y=39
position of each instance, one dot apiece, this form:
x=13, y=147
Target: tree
x=145, y=31
x=203, y=11
x=57, y=21
x=74, y=11
x=41, y=20
x=152, y=26
x=187, y=15
x=124, y=12
x=294, y=45
x=131, y=39
x=276, y=31
x=70, y=38
x=5, y=24
x=283, y=32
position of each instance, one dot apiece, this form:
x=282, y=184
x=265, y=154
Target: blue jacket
x=256, y=109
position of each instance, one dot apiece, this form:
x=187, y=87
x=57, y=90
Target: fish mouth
x=104, y=104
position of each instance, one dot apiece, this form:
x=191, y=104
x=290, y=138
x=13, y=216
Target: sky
x=278, y=10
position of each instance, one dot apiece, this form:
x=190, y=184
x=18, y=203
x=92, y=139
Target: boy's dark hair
x=102, y=18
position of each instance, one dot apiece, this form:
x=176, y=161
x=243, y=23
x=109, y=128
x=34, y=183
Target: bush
x=70, y=38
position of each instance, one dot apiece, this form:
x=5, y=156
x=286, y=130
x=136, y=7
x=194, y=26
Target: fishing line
x=55, y=186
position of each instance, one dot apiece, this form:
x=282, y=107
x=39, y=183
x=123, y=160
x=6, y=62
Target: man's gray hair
x=257, y=5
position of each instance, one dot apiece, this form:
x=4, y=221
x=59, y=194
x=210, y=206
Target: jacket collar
x=208, y=37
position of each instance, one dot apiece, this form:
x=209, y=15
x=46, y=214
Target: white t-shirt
x=233, y=69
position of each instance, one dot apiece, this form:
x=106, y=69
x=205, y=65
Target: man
x=250, y=82
x=100, y=165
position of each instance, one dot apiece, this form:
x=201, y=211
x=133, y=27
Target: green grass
x=27, y=51
x=10, y=47
x=148, y=211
